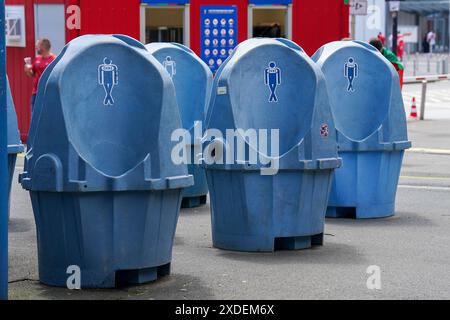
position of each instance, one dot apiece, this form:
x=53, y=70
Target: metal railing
x=426, y=64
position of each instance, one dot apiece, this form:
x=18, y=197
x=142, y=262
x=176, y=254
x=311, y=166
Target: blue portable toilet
x=105, y=193
x=367, y=105
x=193, y=82
x=14, y=144
x=269, y=183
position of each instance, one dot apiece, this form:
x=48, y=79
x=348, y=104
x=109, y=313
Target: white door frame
x=288, y=17
x=186, y=20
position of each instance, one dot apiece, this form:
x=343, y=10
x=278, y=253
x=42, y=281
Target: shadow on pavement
x=175, y=286
x=17, y=225
x=331, y=253
x=401, y=219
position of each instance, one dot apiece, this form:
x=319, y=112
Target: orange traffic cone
x=413, y=113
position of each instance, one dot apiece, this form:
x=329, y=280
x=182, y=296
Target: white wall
x=369, y=26
x=50, y=22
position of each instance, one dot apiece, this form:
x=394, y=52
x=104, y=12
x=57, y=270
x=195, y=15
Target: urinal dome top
x=331, y=49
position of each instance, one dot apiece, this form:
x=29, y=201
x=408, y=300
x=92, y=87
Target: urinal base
x=141, y=276
x=266, y=244
x=193, y=202
x=96, y=279
x=361, y=212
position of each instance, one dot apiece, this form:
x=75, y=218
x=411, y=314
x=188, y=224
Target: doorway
x=165, y=24
x=270, y=21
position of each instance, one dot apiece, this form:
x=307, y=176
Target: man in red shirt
x=40, y=63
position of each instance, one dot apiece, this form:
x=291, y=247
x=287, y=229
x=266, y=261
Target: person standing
x=36, y=68
x=425, y=45
x=431, y=39
x=400, y=46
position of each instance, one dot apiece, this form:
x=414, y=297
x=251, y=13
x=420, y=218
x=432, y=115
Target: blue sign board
x=218, y=34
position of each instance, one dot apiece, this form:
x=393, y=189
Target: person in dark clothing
x=275, y=31
x=425, y=45
x=270, y=31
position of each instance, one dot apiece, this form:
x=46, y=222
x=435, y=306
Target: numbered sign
x=218, y=34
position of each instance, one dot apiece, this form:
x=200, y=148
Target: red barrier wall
x=110, y=16
x=315, y=23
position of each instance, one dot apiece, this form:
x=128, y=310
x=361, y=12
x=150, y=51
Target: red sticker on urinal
x=324, y=132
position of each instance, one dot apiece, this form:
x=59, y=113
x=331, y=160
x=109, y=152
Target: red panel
x=316, y=23
x=242, y=6
x=110, y=16
x=21, y=85
x=72, y=34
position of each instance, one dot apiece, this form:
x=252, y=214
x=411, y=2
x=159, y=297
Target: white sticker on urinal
x=170, y=66
x=272, y=79
x=108, y=77
x=351, y=71
x=221, y=90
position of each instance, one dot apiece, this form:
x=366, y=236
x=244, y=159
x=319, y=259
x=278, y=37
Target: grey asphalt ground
x=437, y=106
x=412, y=248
